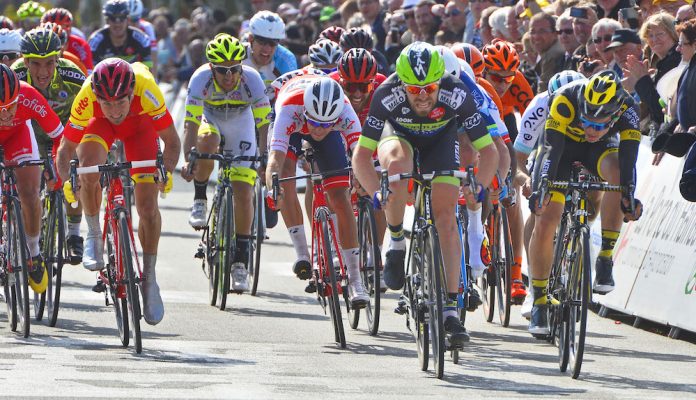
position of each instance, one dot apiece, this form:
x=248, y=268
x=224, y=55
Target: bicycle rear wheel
x=579, y=295
x=258, y=234
x=225, y=245
x=503, y=260
x=435, y=295
x=54, y=255
x=487, y=282
x=328, y=270
x=18, y=252
x=131, y=278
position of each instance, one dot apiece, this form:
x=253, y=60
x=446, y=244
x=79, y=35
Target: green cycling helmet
x=224, y=47
x=30, y=9
x=420, y=64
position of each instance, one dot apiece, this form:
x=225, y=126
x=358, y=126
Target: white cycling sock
x=475, y=238
x=299, y=241
x=93, y=227
x=351, y=258
x=33, y=244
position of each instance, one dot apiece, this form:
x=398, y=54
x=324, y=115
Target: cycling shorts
x=330, y=155
x=139, y=138
x=20, y=143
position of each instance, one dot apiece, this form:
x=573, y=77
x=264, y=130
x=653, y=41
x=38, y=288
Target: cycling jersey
x=563, y=128
x=278, y=82
x=362, y=114
x=532, y=123
x=486, y=106
x=283, y=61
x=518, y=96
x=75, y=60
x=135, y=48
x=79, y=47
x=149, y=29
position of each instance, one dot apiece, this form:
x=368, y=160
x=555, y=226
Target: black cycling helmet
x=6, y=23
x=356, y=37
x=116, y=8
x=41, y=42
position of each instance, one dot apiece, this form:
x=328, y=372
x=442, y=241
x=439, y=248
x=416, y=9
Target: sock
x=608, y=243
x=93, y=227
x=474, y=235
x=149, y=261
x=450, y=307
x=352, y=259
x=540, y=287
x=241, y=253
x=516, y=272
x=74, y=225
x=199, y=190
x=299, y=241
x=33, y=244
x=396, y=238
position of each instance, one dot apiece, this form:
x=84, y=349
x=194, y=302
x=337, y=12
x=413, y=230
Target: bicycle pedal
x=100, y=287
x=401, y=308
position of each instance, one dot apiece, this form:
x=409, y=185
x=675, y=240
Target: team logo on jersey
x=453, y=99
x=527, y=137
x=374, y=123
x=63, y=94
x=403, y=120
x=472, y=121
x=397, y=97
x=405, y=110
x=419, y=58
x=536, y=115
x=151, y=96
x=437, y=113
x=478, y=98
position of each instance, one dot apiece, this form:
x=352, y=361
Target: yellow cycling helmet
x=602, y=96
x=225, y=47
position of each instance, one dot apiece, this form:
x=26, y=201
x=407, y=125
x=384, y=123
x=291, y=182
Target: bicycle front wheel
x=435, y=296
x=328, y=270
x=258, y=233
x=503, y=259
x=579, y=295
x=18, y=252
x=225, y=245
x=370, y=264
x=131, y=278
x=115, y=291
x=488, y=280
x=54, y=254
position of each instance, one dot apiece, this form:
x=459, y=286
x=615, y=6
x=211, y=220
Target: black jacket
x=646, y=86
x=686, y=105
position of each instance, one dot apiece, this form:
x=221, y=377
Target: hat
x=621, y=37
x=408, y=4
x=287, y=9
x=326, y=13
x=671, y=1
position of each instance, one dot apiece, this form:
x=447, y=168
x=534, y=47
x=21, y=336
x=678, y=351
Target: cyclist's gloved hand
x=480, y=193
x=626, y=208
x=377, y=201
x=534, y=205
x=69, y=193
x=169, y=184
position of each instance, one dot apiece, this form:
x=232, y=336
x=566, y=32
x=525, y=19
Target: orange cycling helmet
x=469, y=53
x=9, y=85
x=501, y=56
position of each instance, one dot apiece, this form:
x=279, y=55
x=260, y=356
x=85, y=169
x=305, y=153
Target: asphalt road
x=280, y=345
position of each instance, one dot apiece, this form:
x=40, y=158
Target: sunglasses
x=427, y=89
x=352, y=87
x=318, y=124
x=262, y=41
x=10, y=55
x=499, y=78
x=598, y=126
x=8, y=106
x=117, y=18
x=222, y=70
x=568, y=31
x=605, y=38
x=453, y=13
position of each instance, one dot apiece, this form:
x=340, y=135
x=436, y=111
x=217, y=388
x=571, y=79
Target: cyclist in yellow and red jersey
x=121, y=101
x=75, y=45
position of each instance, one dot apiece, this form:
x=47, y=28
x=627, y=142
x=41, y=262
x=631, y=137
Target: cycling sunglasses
x=499, y=78
x=427, y=89
x=117, y=18
x=598, y=126
x=318, y=124
x=262, y=41
x=222, y=70
x=10, y=55
x=352, y=87
x=8, y=106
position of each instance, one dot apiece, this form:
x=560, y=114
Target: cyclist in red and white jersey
x=76, y=45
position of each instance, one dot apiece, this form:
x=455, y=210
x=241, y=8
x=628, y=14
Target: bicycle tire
x=504, y=280
x=225, y=246
x=55, y=256
x=580, y=294
x=119, y=303
x=330, y=271
x=212, y=254
x=354, y=315
x=39, y=299
x=434, y=279
x=413, y=290
x=558, y=313
x=19, y=255
x=488, y=279
x=132, y=278
x=371, y=274
x=258, y=235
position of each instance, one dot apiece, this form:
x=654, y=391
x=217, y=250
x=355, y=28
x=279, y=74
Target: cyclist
x=121, y=101
x=10, y=46
x=29, y=15
x=135, y=19
x=19, y=104
x=117, y=39
x=76, y=45
x=6, y=23
x=595, y=122
x=314, y=106
x=324, y=55
x=361, y=38
x=226, y=99
x=426, y=109
x=63, y=35
x=266, y=55
x=59, y=81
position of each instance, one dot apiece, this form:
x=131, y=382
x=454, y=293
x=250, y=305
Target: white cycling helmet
x=10, y=40
x=268, y=25
x=135, y=9
x=451, y=61
x=563, y=78
x=467, y=69
x=324, y=100
x=324, y=52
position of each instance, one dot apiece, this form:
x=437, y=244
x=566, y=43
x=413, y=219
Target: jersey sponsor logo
x=391, y=101
x=552, y=124
x=405, y=110
x=536, y=115
x=63, y=94
x=472, y=121
x=345, y=124
x=151, y=96
x=21, y=74
x=403, y=120
x=71, y=74
x=521, y=96
x=374, y=123
x=291, y=129
x=32, y=104
x=158, y=116
x=437, y=113
x=419, y=58
x=75, y=126
x=631, y=116
x=478, y=98
x=453, y=99
x=527, y=137
x=82, y=105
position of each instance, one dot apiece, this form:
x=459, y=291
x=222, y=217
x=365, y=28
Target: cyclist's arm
x=551, y=151
x=473, y=125
x=260, y=107
x=66, y=149
x=172, y=147
x=629, y=144
x=283, y=127
x=363, y=166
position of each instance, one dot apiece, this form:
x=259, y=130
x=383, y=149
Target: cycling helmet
x=30, y=9
x=268, y=25
x=10, y=41
x=466, y=68
x=356, y=37
x=62, y=33
x=9, y=85
x=6, y=23
x=324, y=100
x=501, y=56
x=324, y=52
x=225, y=47
x=563, y=78
x=469, y=53
x=60, y=16
x=451, y=61
x=357, y=65
x=41, y=42
x=115, y=8
x=333, y=33
x=419, y=64
x=113, y=79
x=602, y=96
x=135, y=9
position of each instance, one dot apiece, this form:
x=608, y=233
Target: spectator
x=259, y=5
x=610, y=8
x=288, y=12
x=192, y=58
x=646, y=8
x=498, y=23
x=564, y=27
x=473, y=34
x=684, y=14
x=602, y=34
x=542, y=29
x=427, y=23
x=515, y=29
x=486, y=31
x=412, y=31
x=454, y=22
x=528, y=59
x=202, y=22
x=624, y=43
x=670, y=6
x=347, y=9
x=582, y=28
x=374, y=17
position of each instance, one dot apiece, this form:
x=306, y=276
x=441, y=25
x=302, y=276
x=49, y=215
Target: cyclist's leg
x=474, y=228
x=207, y=141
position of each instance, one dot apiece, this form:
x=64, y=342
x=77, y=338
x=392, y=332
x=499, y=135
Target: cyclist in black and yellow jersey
x=58, y=80
x=594, y=122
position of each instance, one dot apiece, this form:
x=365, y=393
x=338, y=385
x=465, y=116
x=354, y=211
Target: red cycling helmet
x=469, y=53
x=9, y=85
x=59, y=16
x=357, y=65
x=113, y=79
x=333, y=33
